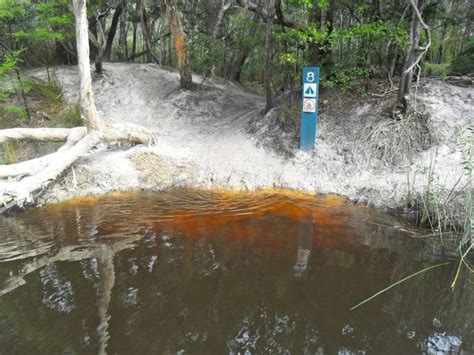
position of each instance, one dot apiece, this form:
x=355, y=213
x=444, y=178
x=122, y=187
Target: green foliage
x=289, y=114
x=10, y=109
x=464, y=62
x=465, y=144
x=9, y=155
x=9, y=65
x=345, y=73
x=11, y=9
x=438, y=70
x=9, y=62
x=69, y=118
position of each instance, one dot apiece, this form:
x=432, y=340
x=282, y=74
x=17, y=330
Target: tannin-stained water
x=193, y=272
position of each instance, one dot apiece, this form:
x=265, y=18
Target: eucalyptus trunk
x=88, y=109
x=179, y=38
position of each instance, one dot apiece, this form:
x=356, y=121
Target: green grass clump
x=9, y=153
x=71, y=117
x=439, y=70
x=289, y=114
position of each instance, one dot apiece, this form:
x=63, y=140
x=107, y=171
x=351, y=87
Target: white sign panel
x=309, y=105
x=309, y=90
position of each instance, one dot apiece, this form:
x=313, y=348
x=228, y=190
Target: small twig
x=386, y=92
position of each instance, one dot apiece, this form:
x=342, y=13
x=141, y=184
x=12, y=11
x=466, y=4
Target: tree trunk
x=99, y=45
x=112, y=31
x=179, y=38
x=88, y=109
x=268, y=56
x=319, y=51
x=210, y=65
x=315, y=18
x=123, y=32
x=440, y=48
x=238, y=60
x=134, y=42
x=163, y=29
x=414, y=54
x=61, y=54
x=146, y=30
x=236, y=64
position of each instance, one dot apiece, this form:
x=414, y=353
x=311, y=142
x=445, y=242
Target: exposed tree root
x=33, y=166
x=28, y=179
x=393, y=142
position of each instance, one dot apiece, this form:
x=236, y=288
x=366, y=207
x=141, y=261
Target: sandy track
x=202, y=141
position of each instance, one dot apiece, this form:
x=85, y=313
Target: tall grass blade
x=398, y=282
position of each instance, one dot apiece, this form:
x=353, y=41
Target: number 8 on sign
x=310, y=77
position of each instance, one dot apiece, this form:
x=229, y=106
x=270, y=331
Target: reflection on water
x=212, y=273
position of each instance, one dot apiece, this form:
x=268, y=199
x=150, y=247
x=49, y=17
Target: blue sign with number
x=309, y=112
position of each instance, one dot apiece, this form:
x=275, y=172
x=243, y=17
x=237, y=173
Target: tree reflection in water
x=305, y=244
x=210, y=273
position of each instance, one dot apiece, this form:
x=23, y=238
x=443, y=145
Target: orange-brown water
x=188, y=271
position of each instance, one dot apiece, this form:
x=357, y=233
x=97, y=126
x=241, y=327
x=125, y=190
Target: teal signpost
x=309, y=112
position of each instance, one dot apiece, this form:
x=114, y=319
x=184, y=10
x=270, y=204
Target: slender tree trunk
x=441, y=42
x=23, y=95
x=315, y=18
x=134, y=41
x=236, y=64
x=99, y=55
x=224, y=5
x=465, y=35
x=170, y=58
x=60, y=53
x=123, y=32
x=179, y=38
x=415, y=52
x=268, y=56
x=112, y=31
x=88, y=109
x=407, y=76
x=163, y=30
x=146, y=31
x=238, y=60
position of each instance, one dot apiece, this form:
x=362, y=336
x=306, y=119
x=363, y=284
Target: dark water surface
x=190, y=272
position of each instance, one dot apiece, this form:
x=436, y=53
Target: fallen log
x=39, y=173
x=33, y=166
x=39, y=134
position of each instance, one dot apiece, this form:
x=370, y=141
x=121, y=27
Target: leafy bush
x=464, y=63
x=289, y=114
x=438, y=70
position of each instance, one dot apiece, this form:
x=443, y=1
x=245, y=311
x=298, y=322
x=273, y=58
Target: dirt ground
x=216, y=136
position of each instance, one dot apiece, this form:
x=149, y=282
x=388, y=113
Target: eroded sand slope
x=203, y=140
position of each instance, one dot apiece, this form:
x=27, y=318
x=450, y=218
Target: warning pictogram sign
x=309, y=105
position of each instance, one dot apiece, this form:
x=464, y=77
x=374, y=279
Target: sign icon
x=309, y=90
x=309, y=105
